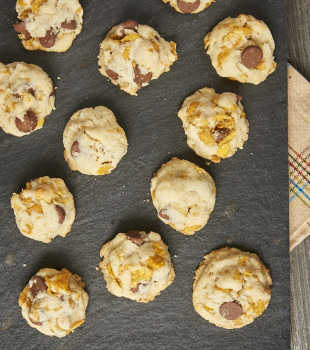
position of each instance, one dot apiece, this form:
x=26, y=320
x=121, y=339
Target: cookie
x=241, y=49
x=26, y=98
x=133, y=54
x=215, y=124
x=183, y=195
x=189, y=6
x=136, y=265
x=54, y=302
x=48, y=25
x=94, y=142
x=44, y=209
x=231, y=288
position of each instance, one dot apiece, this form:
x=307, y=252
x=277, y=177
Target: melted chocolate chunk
x=136, y=289
x=251, y=56
x=188, y=7
x=35, y=322
x=140, y=78
x=20, y=27
x=75, y=148
x=16, y=95
x=135, y=237
x=61, y=213
x=113, y=75
x=220, y=134
x=163, y=215
x=231, y=310
x=48, y=40
x=38, y=285
x=69, y=25
x=31, y=91
x=29, y=124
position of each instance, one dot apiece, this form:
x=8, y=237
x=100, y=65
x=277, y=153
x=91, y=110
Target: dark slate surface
x=251, y=210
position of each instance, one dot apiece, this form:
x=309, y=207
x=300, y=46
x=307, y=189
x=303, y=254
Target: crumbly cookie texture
x=231, y=288
x=183, y=195
x=136, y=265
x=48, y=25
x=26, y=98
x=133, y=54
x=215, y=124
x=189, y=6
x=241, y=49
x=94, y=142
x=54, y=302
x=44, y=209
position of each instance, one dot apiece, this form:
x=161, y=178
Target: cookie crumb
x=24, y=265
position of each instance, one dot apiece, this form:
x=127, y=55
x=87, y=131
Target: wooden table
x=299, y=57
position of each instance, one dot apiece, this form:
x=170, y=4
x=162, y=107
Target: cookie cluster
x=231, y=287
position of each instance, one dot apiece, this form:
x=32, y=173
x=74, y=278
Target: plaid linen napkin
x=298, y=156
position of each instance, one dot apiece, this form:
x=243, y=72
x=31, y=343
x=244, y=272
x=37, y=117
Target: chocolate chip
x=163, y=215
x=135, y=237
x=31, y=91
x=38, y=285
x=29, y=123
x=140, y=78
x=35, y=322
x=69, y=25
x=16, y=95
x=130, y=24
x=113, y=75
x=53, y=92
x=251, y=56
x=239, y=98
x=48, y=40
x=188, y=7
x=20, y=27
x=220, y=134
x=231, y=310
x=61, y=213
x=62, y=298
x=136, y=289
x=75, y=148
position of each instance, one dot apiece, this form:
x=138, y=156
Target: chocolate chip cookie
x=133, y=54
x=136, y=265
x=241, y=49
x=94, y=142
x=189, y=6
x=44, y=209
x=183, y=195
x=48, y=25
x=54, y=302
x=215, y=124
x=26, y=98
x=231, y=288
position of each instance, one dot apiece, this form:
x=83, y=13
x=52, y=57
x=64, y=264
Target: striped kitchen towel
x=298, y=156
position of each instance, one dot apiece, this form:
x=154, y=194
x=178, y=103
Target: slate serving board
x=251, y=210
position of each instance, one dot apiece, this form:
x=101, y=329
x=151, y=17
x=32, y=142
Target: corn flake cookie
x=189, y=6
x=231, y=288
x=44, y=209
x=183, y=195
x=241, y=49
x=48, y=25
x=133, y=54
x=26, y=98
x=136, y=265
x=215, y=124
x=54, y=302
x=94, y=142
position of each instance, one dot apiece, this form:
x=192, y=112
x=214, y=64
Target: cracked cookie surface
x=189, y=6
x=231, y=288
x=215, y=124
x=54, y=302
x=48, y=25
x=241, y=49
x=136, y=265
x=26, y=98
x=133, y=54
x=183, y=195
x=94, y=142
x=44, y=209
